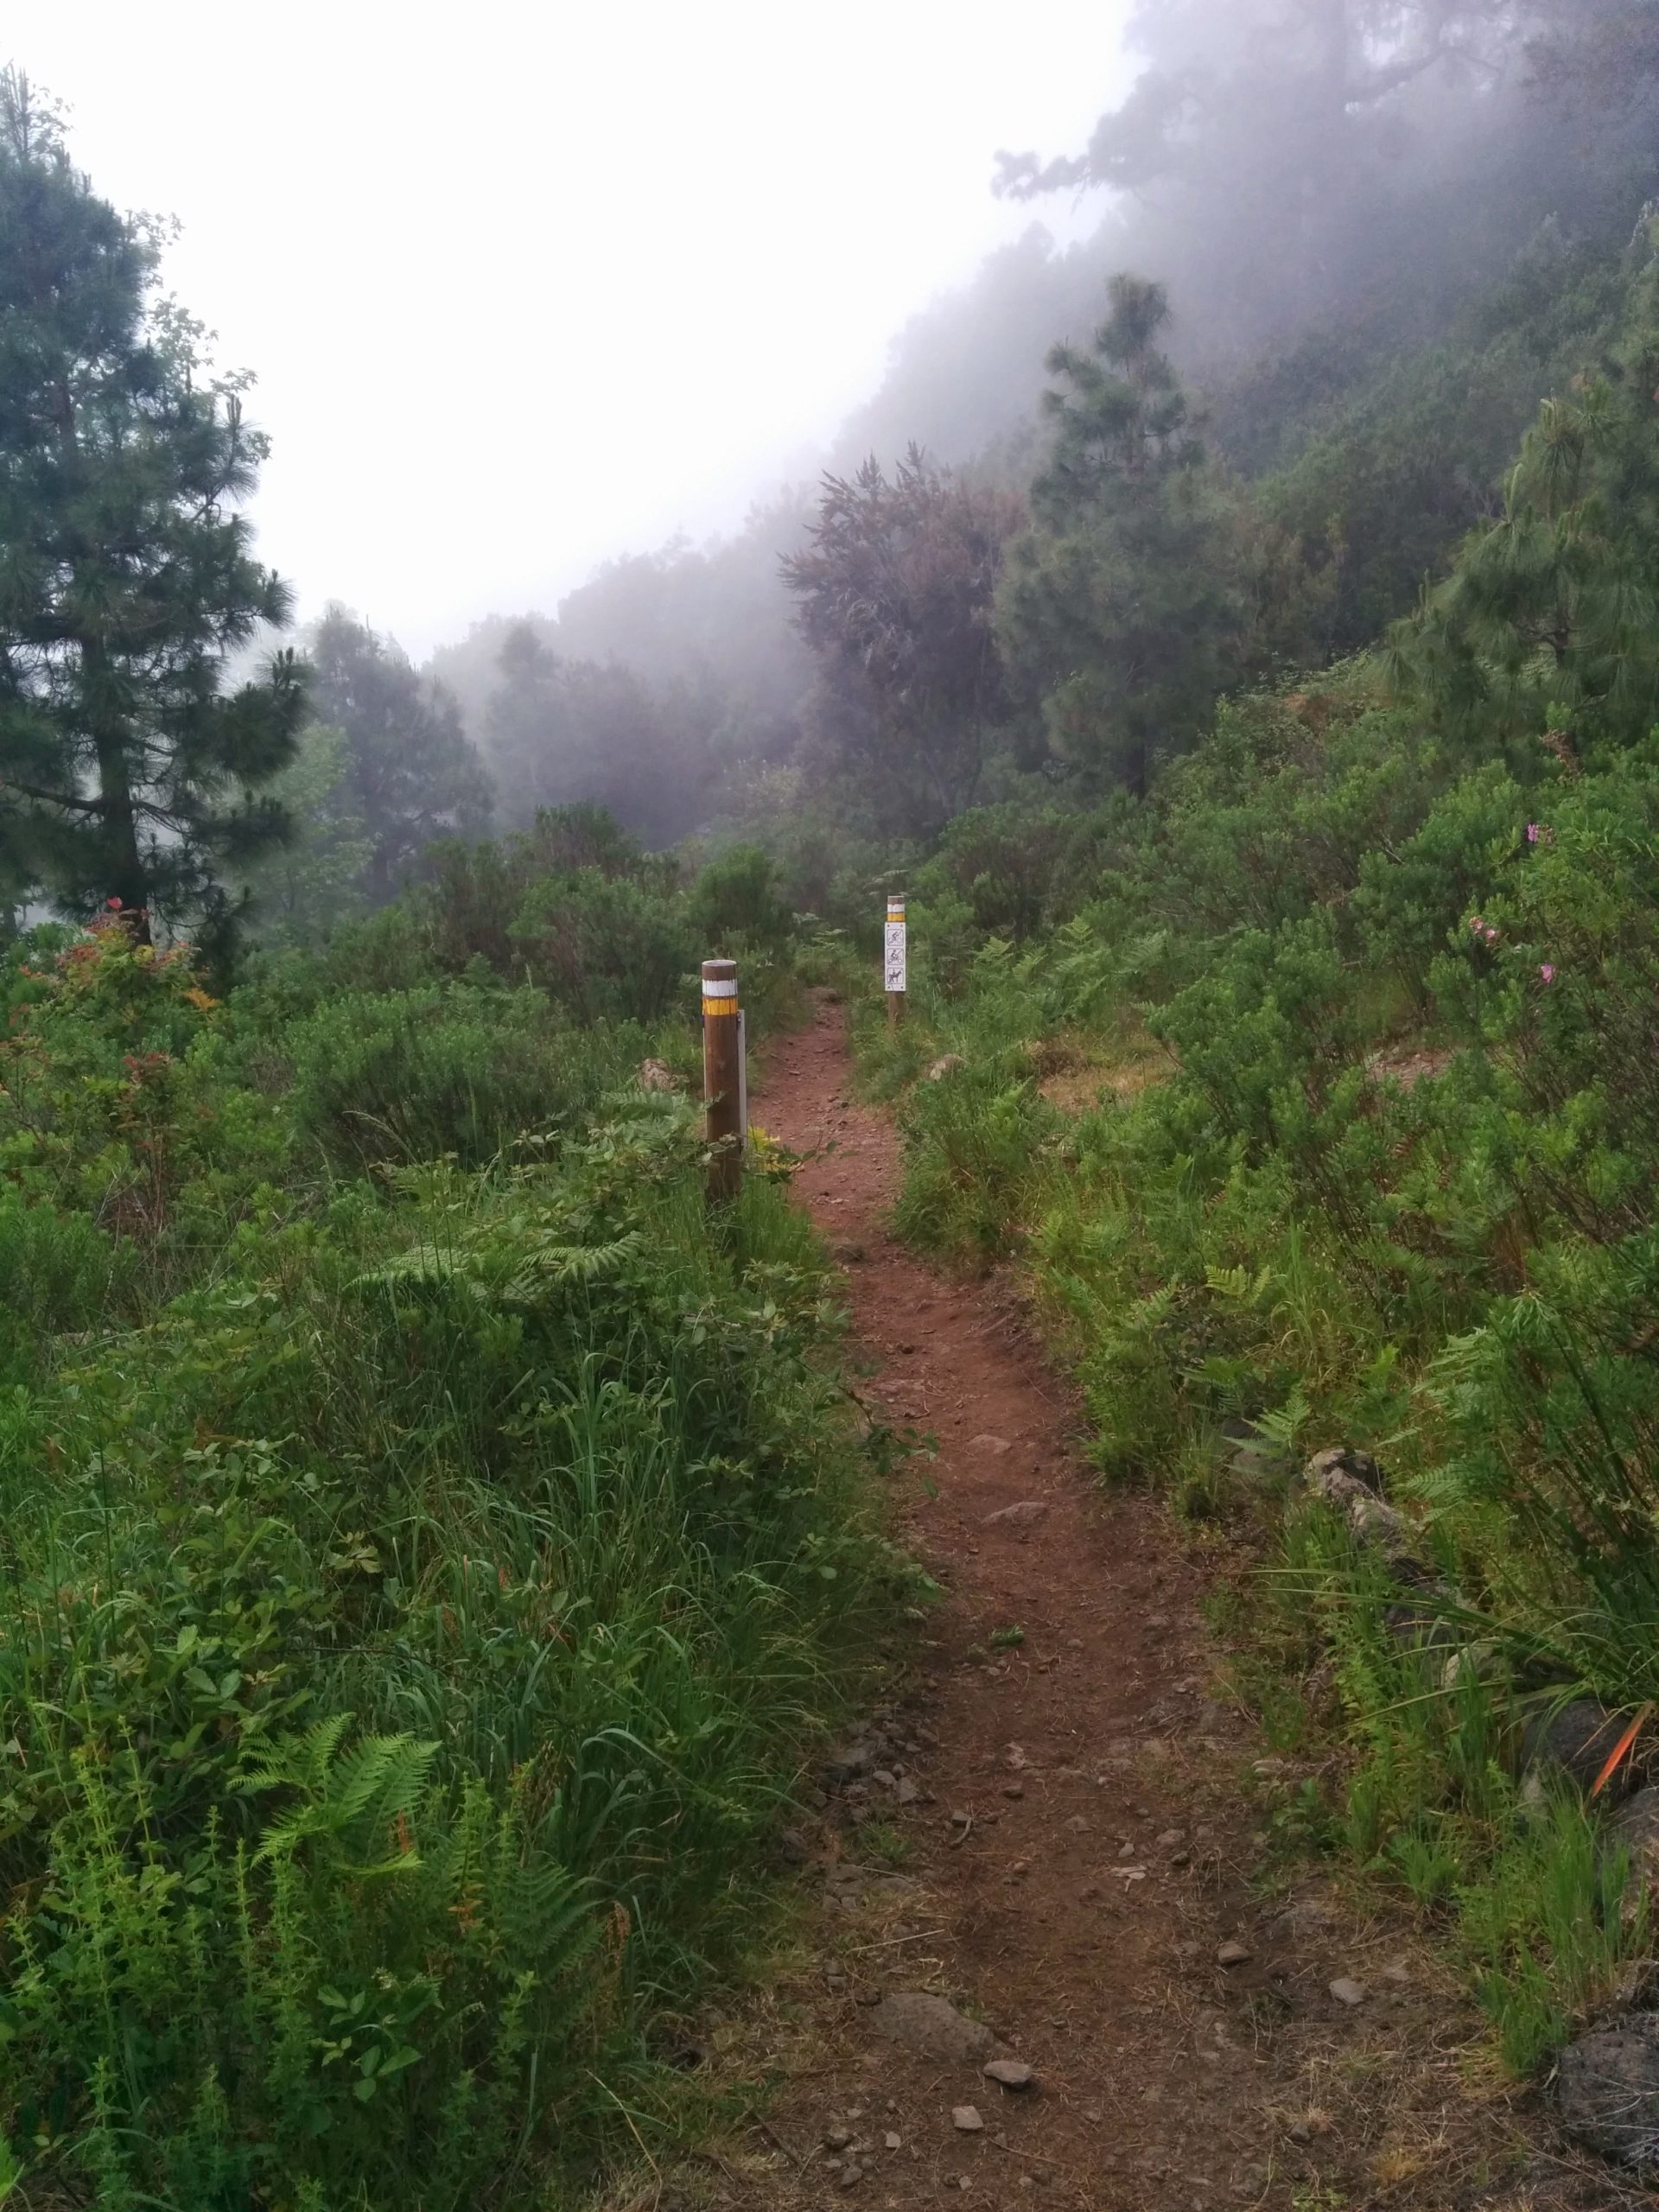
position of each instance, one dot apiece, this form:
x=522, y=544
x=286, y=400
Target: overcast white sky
x=527, y=286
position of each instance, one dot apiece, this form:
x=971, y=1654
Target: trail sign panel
x=895, y=959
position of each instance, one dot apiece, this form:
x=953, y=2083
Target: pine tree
x=893, y=594
x=1126, y=607
x=414, y=775
x=128, y=769
x=1547, y=626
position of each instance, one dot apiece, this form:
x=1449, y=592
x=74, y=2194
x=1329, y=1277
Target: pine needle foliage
x=131, y=772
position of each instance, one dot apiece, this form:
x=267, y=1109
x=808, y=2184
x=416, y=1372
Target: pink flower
x=1490, y=934
x=114, y=905
x=1547, y=972
x=1476, y=924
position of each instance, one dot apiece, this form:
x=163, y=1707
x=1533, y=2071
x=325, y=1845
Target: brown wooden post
x=722, y=1078
x=896, y=960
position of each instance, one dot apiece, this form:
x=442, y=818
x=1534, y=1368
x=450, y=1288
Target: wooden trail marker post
x=725, y=1084
x=896, y=958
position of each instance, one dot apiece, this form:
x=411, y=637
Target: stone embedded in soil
x=996, y=1446
x=965, y=2120
x=837, y=2138
x=1479, y=1661
x=847, y=1763
x=1358, y=1467
x=1374, y=1524
x=1348, y=1991
x=1012, y=2073
x=1607, y=2091
x=1020, y=1514
x=1635, y=1829
x=932, y=2027
x=1234, y=1954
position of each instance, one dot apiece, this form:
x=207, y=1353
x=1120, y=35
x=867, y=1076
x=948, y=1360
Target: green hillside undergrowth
x=432, y=1544
x=1316, y=1107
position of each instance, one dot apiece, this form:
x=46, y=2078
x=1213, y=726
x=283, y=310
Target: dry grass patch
x=1076, y=1072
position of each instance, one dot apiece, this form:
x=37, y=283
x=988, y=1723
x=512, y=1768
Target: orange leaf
x=1624, y=1745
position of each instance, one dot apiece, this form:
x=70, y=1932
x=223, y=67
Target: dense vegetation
x=429, y=1544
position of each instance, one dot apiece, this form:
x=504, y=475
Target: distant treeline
x=1066, y=523
x=1346, y=249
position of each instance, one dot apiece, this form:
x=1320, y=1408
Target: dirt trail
x=1068, y=1835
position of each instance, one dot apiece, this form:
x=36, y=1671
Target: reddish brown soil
x=1085, y=1831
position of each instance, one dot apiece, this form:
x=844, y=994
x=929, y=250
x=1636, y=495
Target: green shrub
x=975, y=1143
x=446, y=1069
x=58, y=1271
x=607, y=947
x=737, y=901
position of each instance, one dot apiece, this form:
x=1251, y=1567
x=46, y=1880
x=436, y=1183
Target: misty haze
x=829, y=932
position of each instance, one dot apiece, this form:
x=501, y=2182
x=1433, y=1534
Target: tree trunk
x=126, y=869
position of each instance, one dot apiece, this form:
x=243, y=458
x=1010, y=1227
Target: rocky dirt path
x=1057, y=1834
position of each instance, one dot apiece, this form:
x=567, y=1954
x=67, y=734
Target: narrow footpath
x=1057, y=1834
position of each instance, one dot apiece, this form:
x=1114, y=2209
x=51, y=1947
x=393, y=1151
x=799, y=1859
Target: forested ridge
x=433, y=1543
